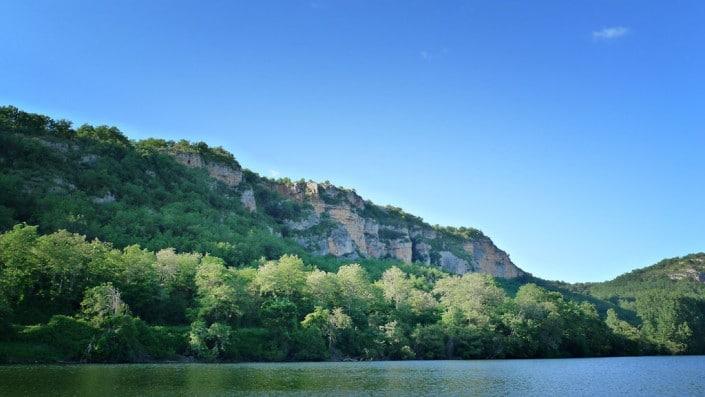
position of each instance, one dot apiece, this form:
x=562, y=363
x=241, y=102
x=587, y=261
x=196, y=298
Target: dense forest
x=178, y=269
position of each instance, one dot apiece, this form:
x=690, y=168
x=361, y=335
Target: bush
x=163, y=342
x=71, y=337
x=210, y=343
x=120, y=341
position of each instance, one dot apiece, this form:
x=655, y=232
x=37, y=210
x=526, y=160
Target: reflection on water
x=641, y=376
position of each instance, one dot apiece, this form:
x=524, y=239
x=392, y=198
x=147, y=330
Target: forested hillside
x=156, y=193
x=115, y=250
x=668, y=298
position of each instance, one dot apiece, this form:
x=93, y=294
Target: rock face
x=342, y=224
x=689, y=267
x=228, y=174
x=108, y=198
x=248, y=200
x=338, y=222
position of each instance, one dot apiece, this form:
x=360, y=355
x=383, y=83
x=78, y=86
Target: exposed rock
x=490, y=259
x=61, y=185
x=401, y=249
x=189, y=159
x=357, y=232
x=108, y=198
x=315, y=245
x=421, y=252
x=692, y=274
x=248, y=200
x=311, y=220
x=58, y=146
x=353, y=224
x=340, y=243
x=89, y=159
x=228, y=174
x=453, y=264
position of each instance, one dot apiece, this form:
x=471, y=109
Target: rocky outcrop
x=248, y=200
x=231, y=175
x=490, y=259
x=107, y=198
x=89, y=159
x=342, y=224
x=338, y=222
x=453, y=264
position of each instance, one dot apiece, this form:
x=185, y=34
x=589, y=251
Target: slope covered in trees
x=192, y=197
x=668, y=299
x=157, y=250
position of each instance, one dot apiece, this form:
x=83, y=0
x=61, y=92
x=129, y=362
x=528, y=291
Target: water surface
x=638, y=376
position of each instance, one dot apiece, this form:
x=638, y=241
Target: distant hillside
x=157, y=193
x=667, y=300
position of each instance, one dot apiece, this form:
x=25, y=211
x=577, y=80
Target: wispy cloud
x=610, y=33
x=429, y=55
x=275, y=173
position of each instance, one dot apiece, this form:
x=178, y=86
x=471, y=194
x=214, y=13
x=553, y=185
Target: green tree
x=284, y=277
x=102, y=303
x=330, y=324
x=220, y=292
x=210, y=342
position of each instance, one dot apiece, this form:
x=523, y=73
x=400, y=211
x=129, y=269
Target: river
x=623, y=376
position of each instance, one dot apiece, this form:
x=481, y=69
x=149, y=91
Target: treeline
x=63, y=298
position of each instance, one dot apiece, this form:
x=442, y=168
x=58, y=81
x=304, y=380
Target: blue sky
x=572, y=133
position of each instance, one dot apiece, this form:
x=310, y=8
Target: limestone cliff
x=335, y=221
x=340, y=223
x=229, y=174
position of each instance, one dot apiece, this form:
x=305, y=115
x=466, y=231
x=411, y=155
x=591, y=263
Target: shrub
x=70, y=336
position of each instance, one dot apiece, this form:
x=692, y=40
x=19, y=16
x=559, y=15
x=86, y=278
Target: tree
x=323, y=288
x=330, y=324
x=219, y=292
x=626, y=338
x=669, y=319
x=176, y=274
x=101, y=303
x=210, y=342
x=19, y=265
x=357, y=294
x=285, y=277
x=429, y=341
x=411, y=304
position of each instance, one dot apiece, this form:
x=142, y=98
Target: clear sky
x=571, y=132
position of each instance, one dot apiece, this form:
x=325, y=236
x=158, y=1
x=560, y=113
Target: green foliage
x=210, y=342
x=219, y=293
x=120, y=340
x=95, y=182
x=232, y=288
x=70, y=336
x=101, y=303
x=285, y=309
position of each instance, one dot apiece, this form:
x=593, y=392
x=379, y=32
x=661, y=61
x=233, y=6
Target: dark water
x=641, y=376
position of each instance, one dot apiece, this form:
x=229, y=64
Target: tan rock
x=229, y=175
x=248, y=200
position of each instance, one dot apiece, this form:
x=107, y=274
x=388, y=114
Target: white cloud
x=429, y=55
x=274, y=173
x=610, y=33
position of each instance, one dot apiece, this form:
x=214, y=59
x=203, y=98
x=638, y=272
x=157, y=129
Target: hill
x=189, y=196
x=114, y=250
